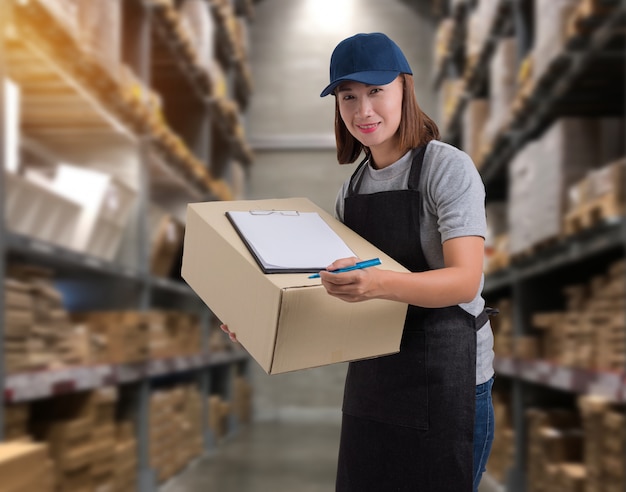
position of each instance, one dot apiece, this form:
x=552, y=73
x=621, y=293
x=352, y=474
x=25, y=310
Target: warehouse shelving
x=587, y=79
x=24, y=387
x=567, y=79
x=77, y=108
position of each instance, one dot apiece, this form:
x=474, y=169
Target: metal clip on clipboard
x=270, y=212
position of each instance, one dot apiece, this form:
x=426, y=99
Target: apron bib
x=408, y=418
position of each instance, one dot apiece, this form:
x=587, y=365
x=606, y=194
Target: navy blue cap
x=371, y=59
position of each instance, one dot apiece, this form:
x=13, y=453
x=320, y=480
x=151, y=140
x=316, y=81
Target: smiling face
x=372, y=115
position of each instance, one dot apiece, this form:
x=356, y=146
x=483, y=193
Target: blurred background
x=115, y=114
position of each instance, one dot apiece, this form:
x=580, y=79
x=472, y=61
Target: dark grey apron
x=408, y=418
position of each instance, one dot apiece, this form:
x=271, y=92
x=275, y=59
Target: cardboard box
x=285, y=321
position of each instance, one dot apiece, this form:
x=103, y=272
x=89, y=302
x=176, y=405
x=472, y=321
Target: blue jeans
x=483, y=430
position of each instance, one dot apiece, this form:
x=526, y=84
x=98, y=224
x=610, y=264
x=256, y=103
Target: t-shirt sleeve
x=339, y=202
x=455, y=193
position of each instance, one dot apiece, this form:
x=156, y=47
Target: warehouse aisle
x=281, y=456
x=276, y=456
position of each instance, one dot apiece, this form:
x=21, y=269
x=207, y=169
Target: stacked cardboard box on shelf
x=540, y=176
x=198, y=25
x=479, y=25
x=18, y=323
x=101, y=34
x=604, y=425
x=26, y=467
x=502, y=87
x=125, y=460
x=496, y=239
x=550, y=21
x=555, y=443
x=67, y=428
x=218, y=418
x=166, y=242
x=89, y=450
x=16, y=417
x=175, y=429
x=117, y=337
x=242, y=400
x=590, y=332
x=39, y=334
x=474, y=120
x=173, y=334
x=35, y=210
x=449, y=95
x=103, y=437
x=445, y=31
x=599, y=197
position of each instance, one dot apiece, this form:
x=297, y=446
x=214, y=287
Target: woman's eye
x=375, y=90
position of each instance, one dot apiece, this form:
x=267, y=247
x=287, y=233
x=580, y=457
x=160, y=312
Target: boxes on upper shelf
x=34, y=209
x=286, y=321
x=66, y=14
x=166, y=240
x=197, y=20
x=100, y=33
x=474, y=120
x=106, y=203
x=550, y=21
x=502, y=86
x=541, y=175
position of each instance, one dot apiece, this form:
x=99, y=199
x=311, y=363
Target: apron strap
x=483, y=317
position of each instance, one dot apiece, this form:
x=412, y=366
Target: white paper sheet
x=289, y=241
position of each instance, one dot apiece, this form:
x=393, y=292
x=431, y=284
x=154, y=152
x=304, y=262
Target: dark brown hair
x=416, y=127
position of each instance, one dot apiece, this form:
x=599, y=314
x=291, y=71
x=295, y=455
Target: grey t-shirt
x=453, y=206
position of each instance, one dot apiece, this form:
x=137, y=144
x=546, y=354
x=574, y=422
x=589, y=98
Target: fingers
x=231, y=335
x=345, y=278
x=342, y=263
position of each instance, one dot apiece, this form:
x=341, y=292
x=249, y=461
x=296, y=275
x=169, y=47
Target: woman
x=409, y=418
x=422, y=419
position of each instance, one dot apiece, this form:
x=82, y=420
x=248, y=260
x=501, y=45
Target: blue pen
x=359, y=265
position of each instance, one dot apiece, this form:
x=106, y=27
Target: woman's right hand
x=231, y=335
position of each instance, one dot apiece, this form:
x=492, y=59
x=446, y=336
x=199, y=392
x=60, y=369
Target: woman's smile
x=369, y=128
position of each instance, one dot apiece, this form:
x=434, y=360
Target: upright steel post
x=147, y=481
x=3, y=248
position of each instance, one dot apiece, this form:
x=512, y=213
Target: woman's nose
x=365, y=107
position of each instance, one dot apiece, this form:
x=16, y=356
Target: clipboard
x=288, y=241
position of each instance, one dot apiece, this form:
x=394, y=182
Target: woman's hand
x=353, y=286
x=231, y=335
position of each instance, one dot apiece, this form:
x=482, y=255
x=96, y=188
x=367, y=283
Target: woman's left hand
x=353, y=286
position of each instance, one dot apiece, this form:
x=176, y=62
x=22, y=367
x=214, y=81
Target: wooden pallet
x=602, y=209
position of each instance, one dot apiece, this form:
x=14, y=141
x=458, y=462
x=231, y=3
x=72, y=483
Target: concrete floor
x=276, y=456
x=269, y=456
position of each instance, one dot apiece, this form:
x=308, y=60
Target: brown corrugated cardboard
x=24, y=466
x=286, y=322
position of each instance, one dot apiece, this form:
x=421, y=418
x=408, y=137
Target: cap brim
x=377, y=77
